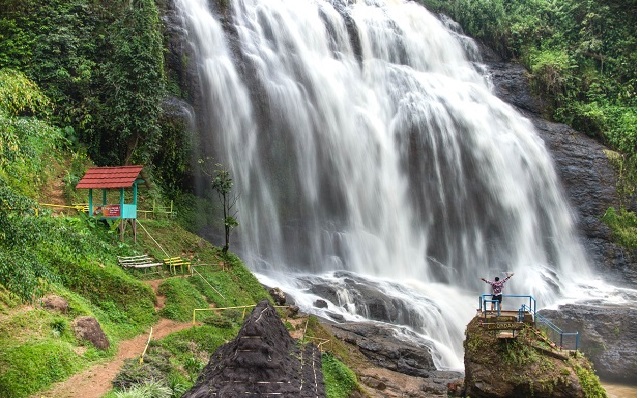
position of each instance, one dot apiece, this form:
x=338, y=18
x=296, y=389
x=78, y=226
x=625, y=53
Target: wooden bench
x=140, y=262
x=174, y=262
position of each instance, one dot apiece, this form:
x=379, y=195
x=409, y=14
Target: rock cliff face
x=263, y=360
x=524, y=366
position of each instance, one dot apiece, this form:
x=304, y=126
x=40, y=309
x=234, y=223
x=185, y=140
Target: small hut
x=110, y=178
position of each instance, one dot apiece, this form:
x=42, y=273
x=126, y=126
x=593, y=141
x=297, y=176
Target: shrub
x=20, y=96
x=155, y=366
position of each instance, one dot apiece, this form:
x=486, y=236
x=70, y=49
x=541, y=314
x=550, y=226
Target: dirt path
x=96, y=381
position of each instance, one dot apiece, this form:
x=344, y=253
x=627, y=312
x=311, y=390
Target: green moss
x=339, y=380
x=589, y=381
x=623, y=225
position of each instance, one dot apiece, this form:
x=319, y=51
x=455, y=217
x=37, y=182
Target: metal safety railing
x=557, y=335
x=482, y=303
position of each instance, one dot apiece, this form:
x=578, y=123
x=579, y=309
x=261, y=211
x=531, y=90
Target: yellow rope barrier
x=207, y=282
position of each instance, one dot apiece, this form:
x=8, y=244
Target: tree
x=222, y=183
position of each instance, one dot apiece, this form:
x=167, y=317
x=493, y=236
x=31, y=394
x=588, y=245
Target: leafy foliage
x=102, y=65
x=19, y=96
x=127, y=119
x=588, y=380
x=222, y=183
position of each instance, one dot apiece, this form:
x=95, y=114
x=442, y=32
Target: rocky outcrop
x=523, y=366
x=607, y=337
x=587, y=176
x=398, y=351
x=380, y=344
x=368, y=300
x=87, y=328
x=262, y=360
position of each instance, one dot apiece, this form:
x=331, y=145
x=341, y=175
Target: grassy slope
x=46, y=351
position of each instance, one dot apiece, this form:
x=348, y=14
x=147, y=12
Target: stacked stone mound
x=263, y=360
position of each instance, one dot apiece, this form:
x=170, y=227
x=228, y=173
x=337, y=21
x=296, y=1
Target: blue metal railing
x=560, y=336
x=556, y=331
x=482, y=303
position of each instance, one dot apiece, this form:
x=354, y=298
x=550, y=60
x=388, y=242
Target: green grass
x=26, y=368
x=181, y=299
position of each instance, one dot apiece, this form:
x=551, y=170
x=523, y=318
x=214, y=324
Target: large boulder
x=382, y=345
x=55, y=303
x=369, y=299
x=526, y=365
x=87, y=328
x=263, y=360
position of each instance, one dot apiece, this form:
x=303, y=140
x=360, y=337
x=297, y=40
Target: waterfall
x=365, y=142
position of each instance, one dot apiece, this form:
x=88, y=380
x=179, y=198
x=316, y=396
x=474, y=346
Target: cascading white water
x=363, y=136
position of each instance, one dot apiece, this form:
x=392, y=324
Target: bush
x=550, y=70
x=148, y=389
x=20, y=96
x=589, y=382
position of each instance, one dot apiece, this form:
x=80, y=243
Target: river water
x=367, y=148
x=620, y=391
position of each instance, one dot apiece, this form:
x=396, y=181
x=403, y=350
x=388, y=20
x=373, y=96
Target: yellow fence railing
x=155, y=212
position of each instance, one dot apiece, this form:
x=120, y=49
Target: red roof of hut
x=110, y=177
